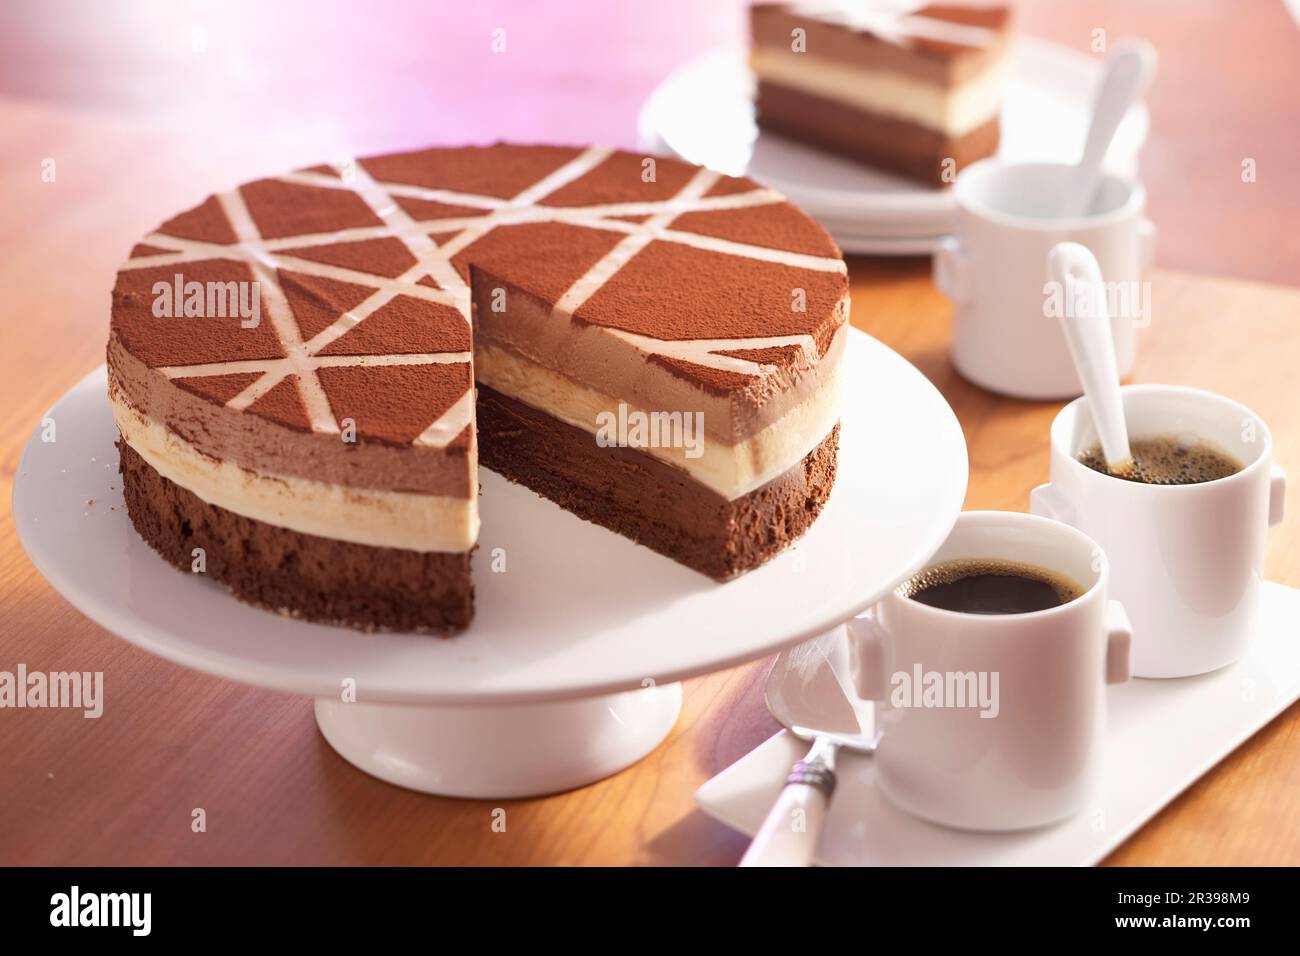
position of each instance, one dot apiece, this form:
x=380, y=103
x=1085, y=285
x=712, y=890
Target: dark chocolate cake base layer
x=644, y=499
x=319, y=579
x=883, y=141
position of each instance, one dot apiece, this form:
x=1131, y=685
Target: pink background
x=377, y=75
x=241, y=89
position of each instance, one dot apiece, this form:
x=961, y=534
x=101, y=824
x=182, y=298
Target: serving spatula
x=809, y=692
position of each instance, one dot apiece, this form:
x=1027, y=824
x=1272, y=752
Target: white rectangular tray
x=1160, y=736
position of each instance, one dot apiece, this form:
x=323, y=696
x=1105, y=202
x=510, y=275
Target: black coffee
x=991, y=586
x=1169, y=460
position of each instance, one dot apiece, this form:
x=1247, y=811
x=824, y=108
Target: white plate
x=843, y=228
x=703, y=112
x=872, y=246
x=906, y=240
x=578, y=611
x=1160, y=736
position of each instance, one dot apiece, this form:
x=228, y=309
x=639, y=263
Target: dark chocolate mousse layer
x=644, y=499
x=319, y=579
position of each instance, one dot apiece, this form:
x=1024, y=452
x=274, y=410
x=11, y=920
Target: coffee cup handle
x=1119, y=644
x=867, y=656
x=1046, y=501
x=951, y=269
x=1276, y=495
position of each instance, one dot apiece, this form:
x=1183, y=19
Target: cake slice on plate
x=915, y=90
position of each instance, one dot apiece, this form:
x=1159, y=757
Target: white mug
x=1188, y=560
x=1005, y=335
x=1033, y=755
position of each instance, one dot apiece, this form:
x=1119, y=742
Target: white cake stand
x=569, y=672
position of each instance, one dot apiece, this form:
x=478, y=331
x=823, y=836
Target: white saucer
x=578, y=612
x=703, y=112
x=1161, y=735
x=872, y=246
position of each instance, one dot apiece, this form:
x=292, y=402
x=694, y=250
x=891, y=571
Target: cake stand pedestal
x=570, y=670
x=510, y=750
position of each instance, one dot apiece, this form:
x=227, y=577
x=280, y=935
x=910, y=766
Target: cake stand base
x=503, y=751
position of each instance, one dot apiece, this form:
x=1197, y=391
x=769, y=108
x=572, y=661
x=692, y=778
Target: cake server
x=806, y=692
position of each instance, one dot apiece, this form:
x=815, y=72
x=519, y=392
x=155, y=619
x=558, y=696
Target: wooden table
x=122, y=789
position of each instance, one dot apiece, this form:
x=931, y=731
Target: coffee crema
x=1168, y=460
x=991, y=586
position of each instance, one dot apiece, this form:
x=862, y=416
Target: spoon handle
x=1128, y=72
x=1085, y=320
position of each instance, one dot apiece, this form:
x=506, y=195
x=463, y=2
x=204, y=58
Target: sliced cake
x=912, y=89
x=656, y=348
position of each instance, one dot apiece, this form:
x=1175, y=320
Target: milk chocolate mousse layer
x=297, y=357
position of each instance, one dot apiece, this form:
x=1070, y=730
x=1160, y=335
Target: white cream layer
x=381, y=519
x=953, y=112
x=730, y=470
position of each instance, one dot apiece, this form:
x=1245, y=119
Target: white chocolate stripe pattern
x=451, y=423
x=194, y=250
x=426, y=262
x=282, y=321
x=575, y=215
x=348, y=168
x=281, y=366
x=265, y=256
x=898, y=25
x=428, y=258
x=593, y=216
x=704, y=351
x=570, y=171
x=605, y=268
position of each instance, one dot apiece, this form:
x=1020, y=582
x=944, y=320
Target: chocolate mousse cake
x=902, y=87
x=293, y=368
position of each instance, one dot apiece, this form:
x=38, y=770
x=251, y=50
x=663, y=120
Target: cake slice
x=915, y=90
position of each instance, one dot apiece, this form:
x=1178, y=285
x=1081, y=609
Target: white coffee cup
x=1006, y=337
x=1037, y=758
x=1187, y=560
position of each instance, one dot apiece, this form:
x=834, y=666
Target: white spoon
x=1129, y=69
x=1086, y=323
